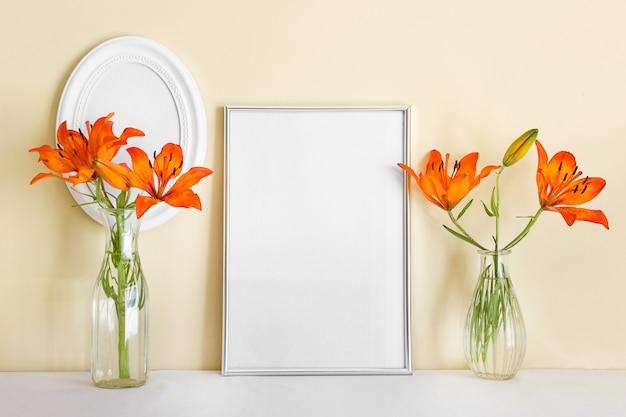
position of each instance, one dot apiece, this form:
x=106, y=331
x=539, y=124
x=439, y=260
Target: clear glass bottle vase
x=119, y=349
x=495, y=334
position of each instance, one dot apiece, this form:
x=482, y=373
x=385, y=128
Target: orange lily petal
x=74, y=145
x=430, y=191
x=459, y=188
x=180, y=195
x=100, y=133
x=102, y=140
x=118, y=175
x=189, y=179
x=410, y=171
x=571, y=214
x=54, y=159
x=143, y=174
x=435, y=182
x=130, y=132
x=467, y=165
x=435, y=163
x=561, y=171
x=184, y=198
x=43, y=175
x=579, y=191
x=168, y=164
x=84, y=174
x=143, y=203
x=487, y=170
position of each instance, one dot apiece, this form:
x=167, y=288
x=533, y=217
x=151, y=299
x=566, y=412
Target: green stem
x=465, y=236
x=121, y=263
x=524, y=232
x=497, y=207
x=123, y=358
x=489, y=307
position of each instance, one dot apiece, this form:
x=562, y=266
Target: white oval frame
x=148, y=88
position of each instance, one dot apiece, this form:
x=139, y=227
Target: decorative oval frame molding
x=147, y=87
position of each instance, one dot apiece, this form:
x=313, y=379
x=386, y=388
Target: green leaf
x=490, y=214
x=464, y=209
x=122, y=199
x=494, y=205
x=463, y=237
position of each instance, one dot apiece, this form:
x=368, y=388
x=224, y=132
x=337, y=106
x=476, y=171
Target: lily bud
x=519, y=147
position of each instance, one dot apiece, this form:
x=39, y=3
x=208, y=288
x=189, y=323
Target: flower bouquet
x=495, y=338
x=124, y=194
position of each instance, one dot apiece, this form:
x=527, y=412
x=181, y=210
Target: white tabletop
x=425, y=393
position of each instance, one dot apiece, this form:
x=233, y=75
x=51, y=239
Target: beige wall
x=477, y=74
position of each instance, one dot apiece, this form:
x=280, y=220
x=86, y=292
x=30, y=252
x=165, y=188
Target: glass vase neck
x=494, y=252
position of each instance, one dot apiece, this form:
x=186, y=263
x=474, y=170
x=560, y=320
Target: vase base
x=120, y=383
x=494, y=377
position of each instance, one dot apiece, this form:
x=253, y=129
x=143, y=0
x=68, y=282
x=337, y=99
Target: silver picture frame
x=316, y=241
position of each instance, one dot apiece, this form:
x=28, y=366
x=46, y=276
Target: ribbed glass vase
x=495, y=335
x=119, y=352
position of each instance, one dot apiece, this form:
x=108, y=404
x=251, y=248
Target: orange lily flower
x=71, y=155
x=167, y=166
x=76, y=153
x=102, y=141
x=442, y=189
x=562, y=186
